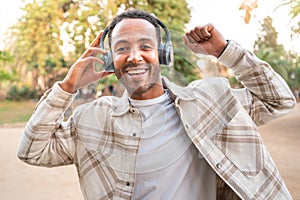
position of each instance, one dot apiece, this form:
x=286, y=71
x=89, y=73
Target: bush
x=18, y=94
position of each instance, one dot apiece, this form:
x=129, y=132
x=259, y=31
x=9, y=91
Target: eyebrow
x=144, y=39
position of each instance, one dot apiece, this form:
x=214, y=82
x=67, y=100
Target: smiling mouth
x=135, y=72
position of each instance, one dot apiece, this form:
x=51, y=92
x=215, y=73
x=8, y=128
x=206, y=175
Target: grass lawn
x=12, y=112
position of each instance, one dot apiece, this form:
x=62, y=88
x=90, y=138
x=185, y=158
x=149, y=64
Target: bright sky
x=225, y=15
x=227, y=18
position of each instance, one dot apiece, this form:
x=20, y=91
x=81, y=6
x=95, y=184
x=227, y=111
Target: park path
x=24, y=182
x=282, y=138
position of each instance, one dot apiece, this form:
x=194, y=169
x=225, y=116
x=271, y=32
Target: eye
x=146, y=47
x=121, y=50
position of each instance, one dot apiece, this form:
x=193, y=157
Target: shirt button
x=219, y=165
x=132, y=110
x=127, y=184
x=133, y=134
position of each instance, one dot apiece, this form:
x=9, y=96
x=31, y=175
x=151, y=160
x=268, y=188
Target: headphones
x=165, y=50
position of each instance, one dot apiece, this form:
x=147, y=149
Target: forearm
x=47, y=140
x=268, y=94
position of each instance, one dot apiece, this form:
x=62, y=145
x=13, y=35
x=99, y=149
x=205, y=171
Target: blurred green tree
x=294, y=13
x=7, y=73
x=267, y=48
x=294, y=58
x=37, y=42
x=52, y=34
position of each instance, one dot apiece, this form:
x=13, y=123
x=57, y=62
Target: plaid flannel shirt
x=102, y=137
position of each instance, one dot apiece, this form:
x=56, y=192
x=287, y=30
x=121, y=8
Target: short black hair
x=137, y=14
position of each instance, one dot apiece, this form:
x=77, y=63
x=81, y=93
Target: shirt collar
x=122, y=105
x=180, y=92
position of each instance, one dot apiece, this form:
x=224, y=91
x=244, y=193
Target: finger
x=210, y=27
x=206, y=31
x=91, y=59
x=194, y=36
x=185, y=39
x=190, y=38
x=93, y=51
x=103, y=74
x=188, y=43
x=96, y=41
x=198, y=30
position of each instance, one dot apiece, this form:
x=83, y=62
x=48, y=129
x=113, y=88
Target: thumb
x=209, y=28
x=103, y=74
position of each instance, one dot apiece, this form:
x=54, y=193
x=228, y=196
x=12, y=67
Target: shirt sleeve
x=48, y=140
x=265, y=94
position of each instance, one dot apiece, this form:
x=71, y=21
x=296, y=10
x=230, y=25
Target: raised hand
x=83, y=72
x=205, y=40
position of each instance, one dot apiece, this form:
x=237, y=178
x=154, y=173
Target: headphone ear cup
x=169, y=53
x=165, y=52
x=108, y=62
x=161, y=54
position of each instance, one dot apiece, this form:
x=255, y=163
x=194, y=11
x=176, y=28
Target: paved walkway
x=21, y=181
x=282, y=138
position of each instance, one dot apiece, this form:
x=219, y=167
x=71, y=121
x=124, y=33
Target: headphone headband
x=165, y=51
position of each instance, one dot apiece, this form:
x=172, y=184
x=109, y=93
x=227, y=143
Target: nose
x=135, y=56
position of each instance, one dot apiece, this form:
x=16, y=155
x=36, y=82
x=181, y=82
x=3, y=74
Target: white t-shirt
x=168, y=165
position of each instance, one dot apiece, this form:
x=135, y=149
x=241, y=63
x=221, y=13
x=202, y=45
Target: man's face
x=135, y=52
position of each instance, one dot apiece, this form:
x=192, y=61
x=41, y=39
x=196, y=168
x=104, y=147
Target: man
x=160, y=140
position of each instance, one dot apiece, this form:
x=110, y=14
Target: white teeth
x=138, y=71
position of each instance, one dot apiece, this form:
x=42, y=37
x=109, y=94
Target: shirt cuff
x=58, y=97
x=231, y=53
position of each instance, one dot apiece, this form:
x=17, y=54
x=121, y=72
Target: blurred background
x=41, y=39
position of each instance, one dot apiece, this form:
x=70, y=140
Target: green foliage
x=294, y=7
x=38, y=33
x=267, y=48
x=109, y=80
x=184, y=59
x=37, y=41
x=6, y=74
x=18, y=94
x=296, y=80
x=268, y=36
x=47, y=27
x=5, y=57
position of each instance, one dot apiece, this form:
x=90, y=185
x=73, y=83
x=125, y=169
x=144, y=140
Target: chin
x=139, y=90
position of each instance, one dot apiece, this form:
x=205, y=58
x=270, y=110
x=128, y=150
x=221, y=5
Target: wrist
x=67, y=87
x=220, y=52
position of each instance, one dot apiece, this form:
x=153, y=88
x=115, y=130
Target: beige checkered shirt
x=102, y=137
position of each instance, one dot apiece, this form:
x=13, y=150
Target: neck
x=155, y=91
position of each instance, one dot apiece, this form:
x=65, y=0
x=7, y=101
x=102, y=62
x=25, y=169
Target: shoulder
x=215, y=86
x=210, y=87
x=103, y=104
